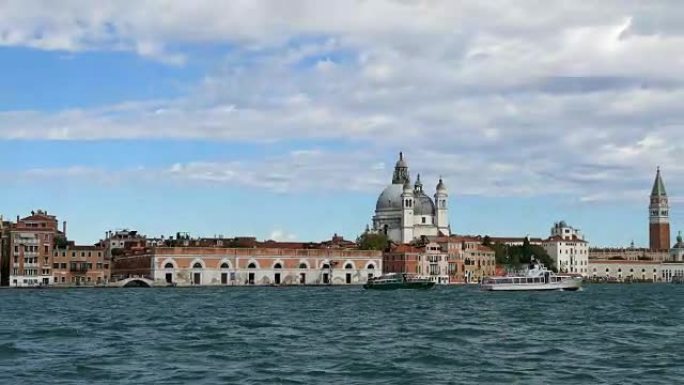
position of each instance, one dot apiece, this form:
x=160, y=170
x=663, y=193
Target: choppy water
x=613, y=334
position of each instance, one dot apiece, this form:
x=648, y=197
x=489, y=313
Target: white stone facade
x=568, y=249
x=404, y=212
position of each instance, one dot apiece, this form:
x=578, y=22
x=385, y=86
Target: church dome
x=423, y=205
x=390, y=198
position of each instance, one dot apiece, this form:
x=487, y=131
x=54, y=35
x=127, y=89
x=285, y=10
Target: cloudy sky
x=283, y=119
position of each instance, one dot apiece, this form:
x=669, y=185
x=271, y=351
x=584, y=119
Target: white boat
x=537, y=278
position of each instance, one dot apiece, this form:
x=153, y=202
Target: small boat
x=399, y=281
x=537, y=278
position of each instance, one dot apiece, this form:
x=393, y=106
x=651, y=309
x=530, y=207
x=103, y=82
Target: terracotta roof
x=406, y=249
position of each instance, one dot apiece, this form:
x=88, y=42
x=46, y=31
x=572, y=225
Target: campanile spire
x=659, y=215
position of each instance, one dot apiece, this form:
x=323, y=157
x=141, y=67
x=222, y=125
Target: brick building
x=31, y=241
x=446, y=260
x=267, y=263
x=81, y=266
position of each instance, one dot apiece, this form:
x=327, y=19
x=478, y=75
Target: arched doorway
x=348, y=275
x=197, y=273
x=251, y=274
x=326, y=273
x=370, y=267
x=276, y=277
x=302, y=274
x=224, y=273
x=169, y=273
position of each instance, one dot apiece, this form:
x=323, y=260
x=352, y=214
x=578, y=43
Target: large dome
x=423, y=205
x=390, y=198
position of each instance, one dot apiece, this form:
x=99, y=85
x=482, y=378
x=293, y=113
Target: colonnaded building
x=265, y=263
x=404, y=212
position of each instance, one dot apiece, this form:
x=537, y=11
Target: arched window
x=197, y=265
x=349, y=266
x=251, y=265
x=168, y=265
x=302, y=265
x=371, y=267
x=224, y=265
x=278, y=266
x=326, y=266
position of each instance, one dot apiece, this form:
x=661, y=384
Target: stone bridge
x=135, y=282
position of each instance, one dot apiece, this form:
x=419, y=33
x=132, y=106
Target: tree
x=487, y=241
x=61, y=241
x=370, y=241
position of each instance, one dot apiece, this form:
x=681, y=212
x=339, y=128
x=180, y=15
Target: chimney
x=64, y=228
x=17, y=218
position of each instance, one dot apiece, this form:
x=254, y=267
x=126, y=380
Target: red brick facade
x=659, y=236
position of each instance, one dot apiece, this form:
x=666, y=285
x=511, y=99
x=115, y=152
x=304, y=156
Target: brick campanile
x=659, y=216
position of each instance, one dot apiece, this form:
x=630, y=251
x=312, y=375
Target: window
x=302, y=265
x=197, y=265
x=224, y=265
x=168, y=265
x=370, y=267
x=278, y=266
x=349, y=266
x=55, y=265
x=423, y=219
x=251, y=265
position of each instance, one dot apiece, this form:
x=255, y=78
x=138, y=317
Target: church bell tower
x=659, y=216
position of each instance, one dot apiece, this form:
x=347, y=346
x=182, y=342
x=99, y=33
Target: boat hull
x=399, y=285
x=565, y=285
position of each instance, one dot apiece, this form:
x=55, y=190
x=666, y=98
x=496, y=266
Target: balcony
x=78, y=268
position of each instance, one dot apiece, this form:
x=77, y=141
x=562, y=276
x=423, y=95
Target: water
x=612, y=334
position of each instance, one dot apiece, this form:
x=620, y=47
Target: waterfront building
x=430, y=260
x=31, y=241
x=568, y=249
x=620, y=270
x=5, y=254
x=76, y=265
x=445, y=260
x=404, y=212
x=659, y=216
x=268, y=263
x=631, y=253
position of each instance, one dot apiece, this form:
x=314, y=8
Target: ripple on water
x=609, y=334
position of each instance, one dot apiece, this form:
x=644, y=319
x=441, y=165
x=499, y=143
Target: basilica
x=405, y=212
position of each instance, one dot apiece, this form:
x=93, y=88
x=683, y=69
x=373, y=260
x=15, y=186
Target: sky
x=283, y=120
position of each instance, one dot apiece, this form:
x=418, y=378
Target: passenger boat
x=399, y=281
x=537, y=278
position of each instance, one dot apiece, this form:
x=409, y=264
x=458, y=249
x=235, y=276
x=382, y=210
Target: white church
x=405, y=212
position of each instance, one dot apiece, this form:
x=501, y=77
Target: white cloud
x=281, y=236
x=501, y=97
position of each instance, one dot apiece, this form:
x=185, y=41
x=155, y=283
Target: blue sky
x=239, y=118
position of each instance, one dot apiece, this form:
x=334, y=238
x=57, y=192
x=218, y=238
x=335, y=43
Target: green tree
x=61, y=241
x=370, y=241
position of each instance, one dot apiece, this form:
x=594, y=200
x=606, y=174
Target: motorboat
x=393, y=281
x=536, y=278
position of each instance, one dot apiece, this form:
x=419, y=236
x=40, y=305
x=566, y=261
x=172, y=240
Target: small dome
x=440, y=186
x=423, y=205
x=390, y=198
